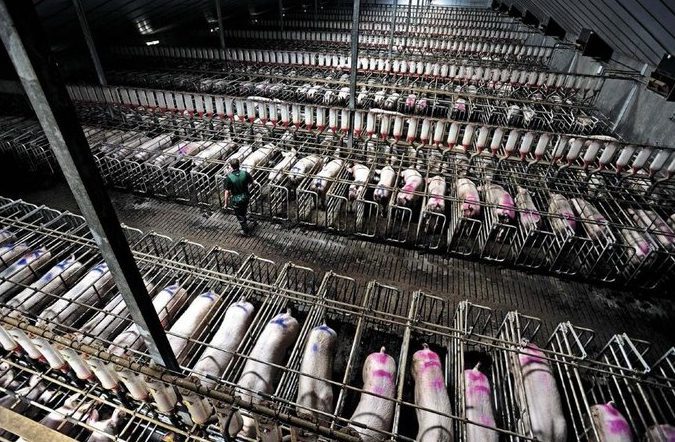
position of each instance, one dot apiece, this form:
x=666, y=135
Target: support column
x=27, y=47
x=221, y=31
x=353, y=71
x=90, y=41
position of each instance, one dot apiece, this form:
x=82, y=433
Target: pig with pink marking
x=539, y=396
x=478, y=406
x=610, y=425
x=495, y=194
x=469, y=198
x=431, y=393
x=412, y=183
x=559, y=205
x=660, y=433
x=376, y=413
x=436, y=188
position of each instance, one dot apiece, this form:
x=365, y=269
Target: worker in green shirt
x=237, y=185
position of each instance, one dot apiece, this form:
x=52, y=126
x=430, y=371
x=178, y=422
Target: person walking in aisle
x=237, y=185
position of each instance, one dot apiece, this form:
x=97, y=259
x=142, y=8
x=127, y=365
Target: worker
x=237, y=185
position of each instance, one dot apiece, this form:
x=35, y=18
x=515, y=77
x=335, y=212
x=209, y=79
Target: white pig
x=558, y=205
x=10, y=252
x=385, y=184
x=376, y=413
x=104, y=428
x=597, y=226
x=495, y=194
x=529, y=215
x=436, y=189
x=277, y=171
x=317, y=360
x=469, y=197
x=225, y=342
x=660, y=433
x=543, y=403
x=304, y=166
x=412, y=180
x=270, y=348
x=89, y=291
x=431, y=393
x=322, y=181
x=478, y=406
x=191, y=322
x=254, y=159
x=23, y=271
x=73, y=408
x=6, y=236
x=360, y=174
x=243, y=151
x=610, y=425
x=34, y=298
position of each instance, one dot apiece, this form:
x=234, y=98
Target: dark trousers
x=240, y=210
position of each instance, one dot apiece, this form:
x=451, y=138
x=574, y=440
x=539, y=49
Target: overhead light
x=152, y=43
x=144, y=27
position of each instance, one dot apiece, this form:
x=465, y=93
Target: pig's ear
x=93, y=417
x=378, y=171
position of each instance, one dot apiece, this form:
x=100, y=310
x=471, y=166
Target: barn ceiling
x=642, y=29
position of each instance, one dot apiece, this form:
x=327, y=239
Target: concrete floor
x=603, y=309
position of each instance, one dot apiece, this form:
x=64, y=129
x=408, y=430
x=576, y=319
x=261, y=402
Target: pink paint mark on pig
x=479, y=390
x=383, y=374
x=475, y=375
x=432, y=364
x=378, y=389
x=485, y=420
x=438, y=384
x=618, y=426
x=381, y=358
x=409, y=188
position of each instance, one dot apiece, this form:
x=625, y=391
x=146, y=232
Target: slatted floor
x=552, y=299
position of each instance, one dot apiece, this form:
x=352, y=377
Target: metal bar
x=281, y=14
x=353, y=70
x=629, y=99
x=28, y=429
x=316, y=10
x=407, y=26
x=391, y=31
x=82, y=16
x=28, y=50
x=221, y=32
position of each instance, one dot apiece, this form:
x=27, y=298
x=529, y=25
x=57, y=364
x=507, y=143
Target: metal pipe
x=221, y=32
x=629, y=99
x=27, y=48
x=353, y=71
x=82, y=16
x=407, y=26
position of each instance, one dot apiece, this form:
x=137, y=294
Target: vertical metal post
x=353, y=71
x=90, y=41
x=27, y=47
x=629, y=99
x=407, y=26
x=316, y=11
x=221, y=31
x=391, y=30
x=281, y=14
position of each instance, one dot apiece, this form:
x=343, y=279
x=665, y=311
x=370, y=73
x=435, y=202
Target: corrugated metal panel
x=641, y=29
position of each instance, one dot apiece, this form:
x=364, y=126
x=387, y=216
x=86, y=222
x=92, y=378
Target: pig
x=23, y=271
x=6, y=236
x=191, y=322
x=648, y=219
x=495, y=194
x=276, y=174
x=343, y=95
x=9, y=252
x=225, y=342
x=467, y=193
x=529, y=215
x=317, y=361
x=166, y=304
x=376, y=413
x=558, y=205
x=322, y=182
x=478, y=406
x=8, y=378
x=609, y=424
x=91, y=290
x=270, y=348
x=73, y=408
x=638, y=242
x=303, y=166
x=20, y=401
x=104, y=428
x=36, y=297
x=360, y=174
x=436, y=189
x=597, y=227
x=412, y=183
x=385, y=184
x=540, y=392
x=256, y=158
x=243, y=151
x=431, y=393
x=660, y=433
x=163, y=395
